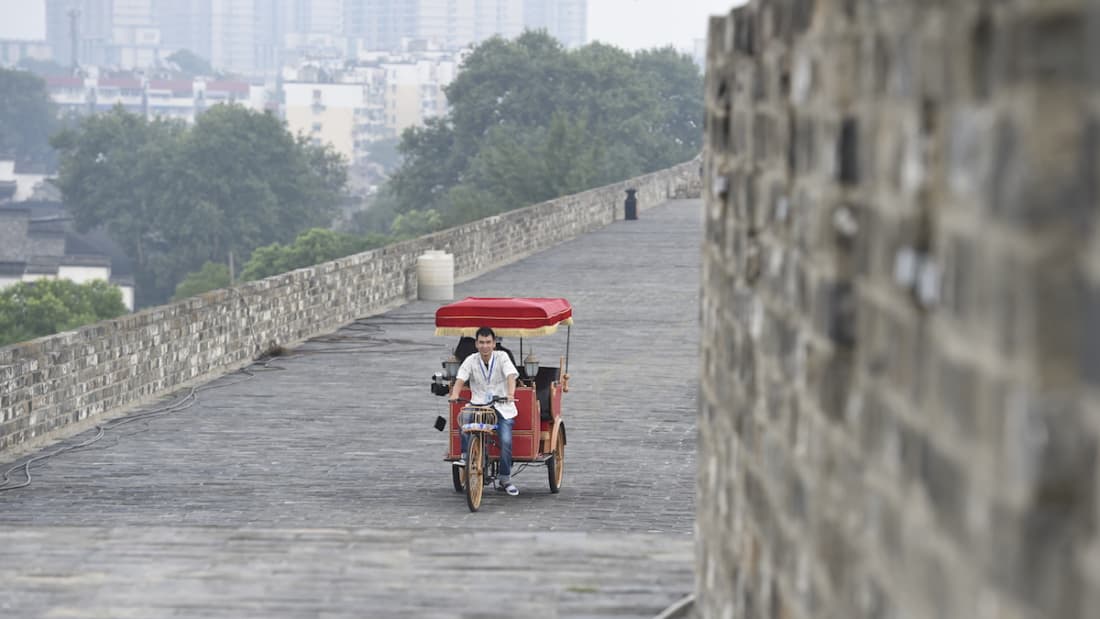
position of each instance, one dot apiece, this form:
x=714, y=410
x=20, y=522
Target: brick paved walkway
x=314, y=486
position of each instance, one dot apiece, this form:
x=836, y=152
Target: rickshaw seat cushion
x=466, y=347
x=543, y=380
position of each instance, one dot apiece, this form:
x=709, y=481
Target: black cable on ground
x=184, y=403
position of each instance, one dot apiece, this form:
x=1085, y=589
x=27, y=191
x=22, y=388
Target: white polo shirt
x=486, y=381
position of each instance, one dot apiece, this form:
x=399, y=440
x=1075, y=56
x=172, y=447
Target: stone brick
x=1062, y=153
x=1048, y=46
x=1089, y=351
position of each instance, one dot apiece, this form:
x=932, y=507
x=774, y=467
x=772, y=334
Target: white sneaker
x=461, y=461
x=508, y=487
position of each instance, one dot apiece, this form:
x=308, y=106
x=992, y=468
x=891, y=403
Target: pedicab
x=538, y=433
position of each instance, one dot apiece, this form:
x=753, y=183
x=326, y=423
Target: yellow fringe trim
x=504, y=332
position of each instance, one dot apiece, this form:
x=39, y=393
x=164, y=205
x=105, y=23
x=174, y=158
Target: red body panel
x=525, y=430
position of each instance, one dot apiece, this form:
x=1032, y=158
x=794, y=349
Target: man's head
x=486, y=341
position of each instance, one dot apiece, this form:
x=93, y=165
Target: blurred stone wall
x=53, y=386
x=901, y=311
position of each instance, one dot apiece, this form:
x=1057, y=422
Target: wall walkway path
x=314, y=486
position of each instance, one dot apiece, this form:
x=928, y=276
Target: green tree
x=211, y=276
x=118, y=170
x=27, y=116
x=246, y=182
x=432, y=164
x=531, y=121
x=311, y=247
x=191, y=63
x=417, y=223
x=384, y=152
x=34, y=309
x=176, y=197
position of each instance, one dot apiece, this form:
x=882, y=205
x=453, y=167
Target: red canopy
x=513, y=317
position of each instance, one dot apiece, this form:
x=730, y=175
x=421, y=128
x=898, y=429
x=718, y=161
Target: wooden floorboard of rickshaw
x=315, y=486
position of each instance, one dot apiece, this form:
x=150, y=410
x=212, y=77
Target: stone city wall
x=901, y=311
x=55, y=385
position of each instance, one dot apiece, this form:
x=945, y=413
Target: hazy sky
x=23, y=20
x=641, y=24
x=630, y=24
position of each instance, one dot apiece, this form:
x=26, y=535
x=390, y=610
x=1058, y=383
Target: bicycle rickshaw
x=538, y=435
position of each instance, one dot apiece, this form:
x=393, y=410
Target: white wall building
x=326, y=113
x=36, y=245
x=151, y=98
x=25, y=182
x=378, y=99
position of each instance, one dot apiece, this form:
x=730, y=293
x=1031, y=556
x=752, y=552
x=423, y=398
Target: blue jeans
x=504, y=431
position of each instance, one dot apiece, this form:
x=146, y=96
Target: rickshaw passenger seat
x=510, y=355
x=466, y=347
x=543, y=379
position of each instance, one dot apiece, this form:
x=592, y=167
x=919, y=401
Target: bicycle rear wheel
x=475, y=472
x=555, y=466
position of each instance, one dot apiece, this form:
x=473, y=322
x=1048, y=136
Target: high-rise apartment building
x=444, y=24
x=565, y=20
x=132, y=13
x=184, y=24
x=497, y=17
x=135, y=35
x=86, y=21
x=324, y=16
x=245, y=35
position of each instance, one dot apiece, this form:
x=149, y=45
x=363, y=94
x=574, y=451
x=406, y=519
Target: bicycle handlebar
x=496, y=398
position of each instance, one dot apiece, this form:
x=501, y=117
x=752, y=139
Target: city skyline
x=629, y=24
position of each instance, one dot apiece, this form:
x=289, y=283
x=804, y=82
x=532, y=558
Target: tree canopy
x=311, y=247
x=190, y=63
x=211, y=276
x=33, y=309
x=27, y=117
x=530, y=120
x=175, y=197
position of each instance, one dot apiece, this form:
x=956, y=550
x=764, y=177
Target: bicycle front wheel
x=475, y=472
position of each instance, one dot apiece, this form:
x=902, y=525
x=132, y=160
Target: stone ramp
x=314, y=486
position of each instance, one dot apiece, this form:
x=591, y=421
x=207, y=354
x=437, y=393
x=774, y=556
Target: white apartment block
x=151, y=98
x=326, y=113
x=369, y=102
x=414, y=93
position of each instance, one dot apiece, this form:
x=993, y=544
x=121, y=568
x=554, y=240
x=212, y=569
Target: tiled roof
x=43, y=265
x=12, y=268
x=84, y=260
x=61, y=81
x=120, y=82
x=240, y=88
x=179, y=88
